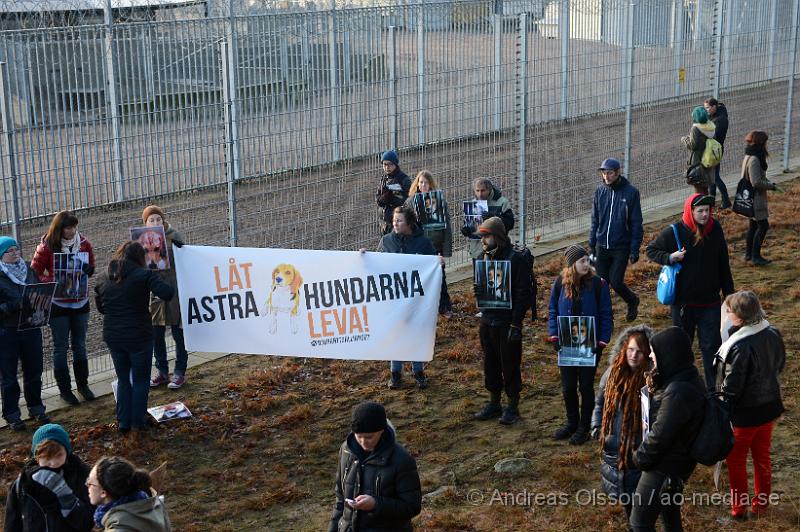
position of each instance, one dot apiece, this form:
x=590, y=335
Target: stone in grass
x=438, y=493
x=513, y=465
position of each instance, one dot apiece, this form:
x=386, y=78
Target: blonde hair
x=571, y=281
x=746, y=306
x=415, y=184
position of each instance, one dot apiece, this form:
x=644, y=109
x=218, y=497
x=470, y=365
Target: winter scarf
x=757, y=151
x=744, y=332
x=103, y=509
x=17, y=272
x=71, y=246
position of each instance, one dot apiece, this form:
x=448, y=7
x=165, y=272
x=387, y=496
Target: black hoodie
x=676, y=411
x=720, y=120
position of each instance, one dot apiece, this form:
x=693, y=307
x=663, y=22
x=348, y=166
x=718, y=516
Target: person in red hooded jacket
x=705, y=273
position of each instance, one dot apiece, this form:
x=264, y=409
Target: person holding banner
x=579, y=292
x=407, y=238
x=617, y=419
x=69, y=317
x=18, y=346
x=501, y=328
x=167, y=314
x=442, y=239
x=123, y=297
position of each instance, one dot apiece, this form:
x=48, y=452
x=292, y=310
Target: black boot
x=758, y=240
x=511, y=412
x=748, y=241
x=81, y=369
x=491, y=409
x=65, y=386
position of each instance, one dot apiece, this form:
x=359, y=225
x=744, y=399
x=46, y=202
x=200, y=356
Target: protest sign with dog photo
x=576, y=334
x=71, y=282
x=473, y=213
x=493, y=283
x=154, y=242
x=429, y=207
x=36, y=302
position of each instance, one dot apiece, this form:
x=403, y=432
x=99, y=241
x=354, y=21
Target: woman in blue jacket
x=579, y=292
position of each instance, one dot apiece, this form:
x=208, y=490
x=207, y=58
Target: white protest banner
x=327, y=304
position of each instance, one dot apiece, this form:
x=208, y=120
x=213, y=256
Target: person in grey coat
x=617, y=419
x=754, y=168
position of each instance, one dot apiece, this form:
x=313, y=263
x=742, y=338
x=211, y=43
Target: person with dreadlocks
x=617, y=419
x=705, y=272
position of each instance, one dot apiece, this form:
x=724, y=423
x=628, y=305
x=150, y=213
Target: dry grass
x=260, y=451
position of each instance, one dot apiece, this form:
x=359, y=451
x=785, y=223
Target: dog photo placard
x=429, y=207
x=473, y=213
x=576, y=334
x=326, y=304
x=36, y=302
x=154, y=242
x=492, y=279
x=71, y=282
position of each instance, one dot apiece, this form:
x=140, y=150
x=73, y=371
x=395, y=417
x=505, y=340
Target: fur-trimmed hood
x=622, y=338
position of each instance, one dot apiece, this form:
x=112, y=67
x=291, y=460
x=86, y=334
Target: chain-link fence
x=260, y=123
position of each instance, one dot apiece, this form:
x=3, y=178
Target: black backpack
x=715, y=439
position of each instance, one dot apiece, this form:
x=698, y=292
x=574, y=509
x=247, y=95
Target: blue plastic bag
x=668, y=278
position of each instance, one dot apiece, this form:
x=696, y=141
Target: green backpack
x=712, y=154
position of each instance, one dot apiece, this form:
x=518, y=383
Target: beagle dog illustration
x=284, y=296
x=155, y=250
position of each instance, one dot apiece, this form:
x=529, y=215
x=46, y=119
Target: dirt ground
x=260, y=451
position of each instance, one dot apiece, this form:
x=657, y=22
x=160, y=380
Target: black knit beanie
x=368, y=417
x=573, y=254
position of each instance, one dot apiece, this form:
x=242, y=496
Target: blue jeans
x=21, y=347
x=706, y=321
x=719, y=184
x=397, y=367
x=65, y=328
x=160, y=349
x=132, y=362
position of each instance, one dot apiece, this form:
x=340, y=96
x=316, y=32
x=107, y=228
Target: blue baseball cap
x=609, y=164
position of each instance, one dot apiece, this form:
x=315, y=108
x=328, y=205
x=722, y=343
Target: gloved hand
x=592, y=252
x=634, y=258
x=485, y=215
x=177, y=243
x=595, y=433
x=556, y=346
x=514, y=335
x=55, y=483
x=466, y=231
x=88, y=269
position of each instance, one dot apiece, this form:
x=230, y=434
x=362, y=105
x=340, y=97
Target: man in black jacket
x=718, y=114
x=377, y=483
x=393, y=190
x=501, y=329
x=675, y=390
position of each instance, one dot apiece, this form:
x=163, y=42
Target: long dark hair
x=118, y=477
x=129, y=251
x=60, y=221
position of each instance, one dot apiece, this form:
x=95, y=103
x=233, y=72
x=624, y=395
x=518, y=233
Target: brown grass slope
x=260, y=451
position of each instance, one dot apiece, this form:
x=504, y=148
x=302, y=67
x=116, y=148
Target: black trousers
x=704, y=320
x=611, y=265
x=649, y=502
x=755, y=237
x=576, y=379
x=501, y=360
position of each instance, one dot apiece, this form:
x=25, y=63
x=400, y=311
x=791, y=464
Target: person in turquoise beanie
x=702, y=129
x=18, y=347
x=50, y=493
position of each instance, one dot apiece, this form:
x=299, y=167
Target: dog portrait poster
x=284, y=297
x=429, y=207
x=71, y=282
x=473, y=213
x=493, y=283
x=577, y=337
x=36, y=302
x=154, y=242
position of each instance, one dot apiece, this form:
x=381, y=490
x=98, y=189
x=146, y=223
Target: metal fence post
x=392, y=89
x=333, y=72
x=716, y=59
x=10, y=164
x=773, y=26
x=498, y=71
x=629, y=47
x=677, y=43
x=231, y=134
x=787, y=133
x=698, y=15
x=563, y=34
x=112, y=101
x=522, y=111
x=727, y=37
x=421, y=74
